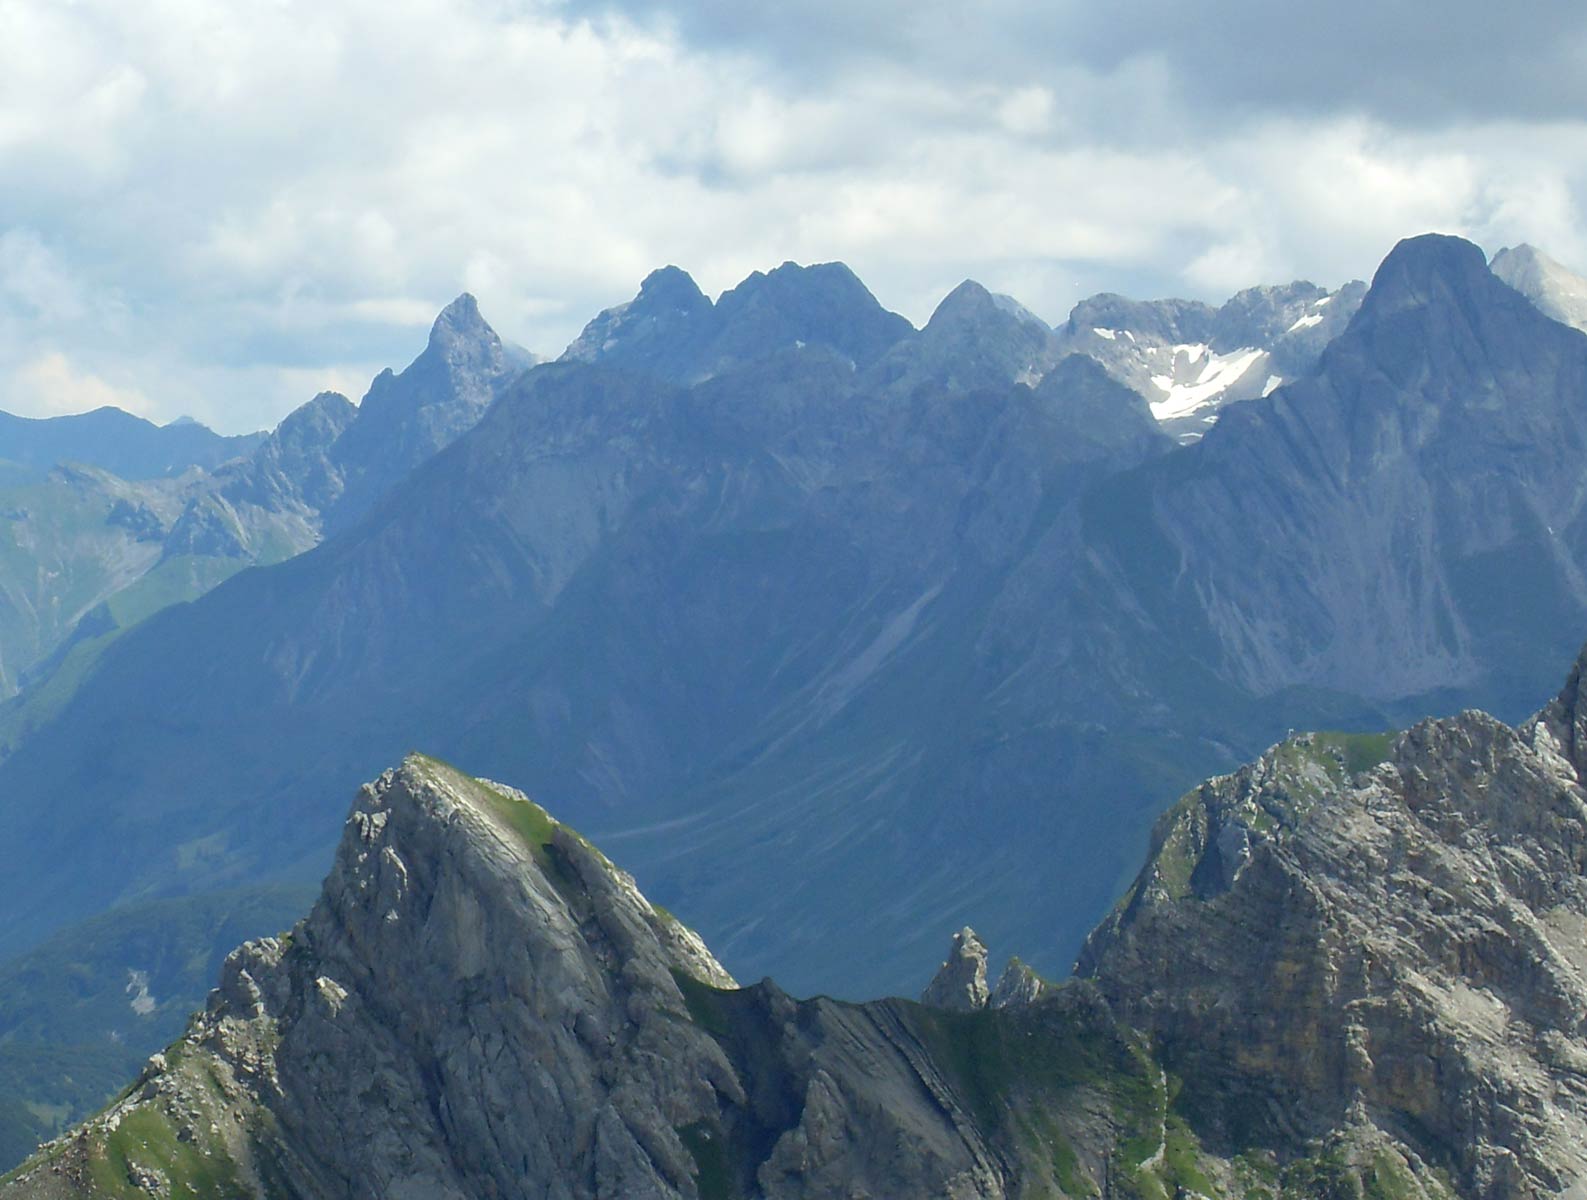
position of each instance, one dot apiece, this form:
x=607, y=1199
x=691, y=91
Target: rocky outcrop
x=1361, y=930
x=960, y=983
x=1017, y=987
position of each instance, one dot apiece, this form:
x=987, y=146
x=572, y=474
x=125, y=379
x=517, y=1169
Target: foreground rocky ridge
x=1356, y=967
x=1322, y=939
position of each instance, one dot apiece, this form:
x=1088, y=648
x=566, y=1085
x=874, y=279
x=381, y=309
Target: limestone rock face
x=470, y=960
x=1321, y=939
x=1017, y=987
x=960, y=983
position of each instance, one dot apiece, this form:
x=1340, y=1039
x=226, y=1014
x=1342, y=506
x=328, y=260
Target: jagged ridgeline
x=1353, y=968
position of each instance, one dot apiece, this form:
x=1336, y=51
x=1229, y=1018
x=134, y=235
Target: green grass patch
x=194, y=1169
x=1182, y=1159
x=1324, y=1176
x=1360, y=751
x=533, y=825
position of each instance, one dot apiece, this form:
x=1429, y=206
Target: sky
x=219, y=209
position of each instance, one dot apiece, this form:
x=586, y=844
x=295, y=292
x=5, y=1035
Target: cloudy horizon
x=219, y=211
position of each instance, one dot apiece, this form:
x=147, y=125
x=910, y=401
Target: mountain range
x=839, y=633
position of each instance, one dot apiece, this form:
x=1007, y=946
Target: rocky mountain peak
x=481, y=1004
x=960, y=983
x=1432, y=270
x=971, y=304
x=461, y=316
x=672, y=330
x=424, y=830
x=1557, y=291
x=662, y=329
x=671, y=288
x=462, y=337
x=326, y=408
x=406, y=417
x=1017, y=987
x=793, y=305
x=1191, y=360
x=974, y=340
x=1167, y=321
x=1098, y=413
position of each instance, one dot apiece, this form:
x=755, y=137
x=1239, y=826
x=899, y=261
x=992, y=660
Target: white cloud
x=33, y=281
x=51, y=385
x=219, y=206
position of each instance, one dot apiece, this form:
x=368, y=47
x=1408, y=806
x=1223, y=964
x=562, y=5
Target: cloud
x=1398, y=62
x=218, y=206
x=50, y=386
x=34, y=282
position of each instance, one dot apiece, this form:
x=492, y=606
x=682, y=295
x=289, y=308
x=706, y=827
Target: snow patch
x=1185, y=392
x=1109, y=334
x=1273, y=381
x=1323, y=301
x=1306, y=322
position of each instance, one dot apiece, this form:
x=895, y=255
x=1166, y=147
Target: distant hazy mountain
x=86, y=552
x=1187, y=358
x=610, y=585
x=115, y=441
x=1557, y=291
x=975, y=339
x=86, y=503
x=673, y=331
